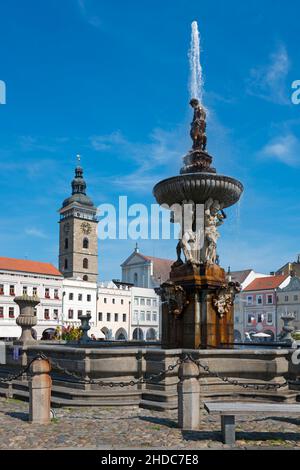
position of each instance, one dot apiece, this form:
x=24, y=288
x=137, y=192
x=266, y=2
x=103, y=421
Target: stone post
x=27, y=318
x=40, y=392
x=188, y=396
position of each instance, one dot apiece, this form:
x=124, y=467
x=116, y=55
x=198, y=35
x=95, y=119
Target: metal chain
x=131, y=383
x=233, y=381
x=23, y=371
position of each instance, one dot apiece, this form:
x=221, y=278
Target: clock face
x=86, y=228
x=67, y=227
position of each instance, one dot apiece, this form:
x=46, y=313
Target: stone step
x=157, y=405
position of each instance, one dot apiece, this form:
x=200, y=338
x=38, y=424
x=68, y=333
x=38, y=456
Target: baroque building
x=78, y=243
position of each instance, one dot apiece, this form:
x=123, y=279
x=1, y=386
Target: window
x=47, y=293
x=113, y=301
x=85, y=278
x=108, y=317
x=70, y=314
x=105, y=300
x=270, y=299
x=12, y=290
x=1, y=312
x=88, y=297
x=236, y=320
x=85, y=243
x=34, y=291
x=148, y=316
x=135, y=316
x=286, y=298
x=71, y=296
x=142, y=316
x=154, y=317
x=142, y=302
x=56, y=296
x=135, y=279
x=259, y=299
x=124, y=317
x=79, y=297
x=46, y=314
x=250, y=318
x=270, y=318
x=88, y=312
x=24, y=290
x=122, y=301
x=66, y=264
x=35, y=311
x=249, y=300
x=148, y=302
x=66, y=243
x=154, y=302
x=85, y=263
x=11, y=312
x=260, y=317
x=116, y=317
x=79, y=313
x=136, y=301
x=1, y=289
x=55, y=314
x=100, y=316
x=295, y=298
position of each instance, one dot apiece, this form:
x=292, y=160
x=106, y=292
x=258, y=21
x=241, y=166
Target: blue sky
x=109, y=80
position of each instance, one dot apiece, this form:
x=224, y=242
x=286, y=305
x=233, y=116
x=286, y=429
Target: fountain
x=198, y=300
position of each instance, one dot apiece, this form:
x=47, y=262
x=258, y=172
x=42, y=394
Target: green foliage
x=68, y=333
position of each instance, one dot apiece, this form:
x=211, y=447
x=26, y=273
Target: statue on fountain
x=198, y=126
x=214, y=216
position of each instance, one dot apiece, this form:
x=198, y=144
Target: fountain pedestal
x=197, y=310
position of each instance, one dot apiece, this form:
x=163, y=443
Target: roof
x=240, y=276
x=266, y=283
x=161, y=268
x=28, y=266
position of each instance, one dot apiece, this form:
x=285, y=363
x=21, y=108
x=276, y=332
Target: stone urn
x=287, y=329
x=85, y=327
x=27, y=318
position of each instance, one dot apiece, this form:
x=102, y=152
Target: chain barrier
x=235, y=382
x=23, y=371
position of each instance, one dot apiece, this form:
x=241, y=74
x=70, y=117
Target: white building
x=126, y=312
x=18, y=277
x=79, y=298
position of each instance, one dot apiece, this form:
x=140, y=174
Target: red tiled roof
x=265, y=283
x=161, y=268
x=24, y=265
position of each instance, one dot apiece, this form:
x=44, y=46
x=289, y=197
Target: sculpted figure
x=213, y=218
x=198, y=126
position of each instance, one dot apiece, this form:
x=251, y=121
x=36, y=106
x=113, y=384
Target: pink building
x=260, y=305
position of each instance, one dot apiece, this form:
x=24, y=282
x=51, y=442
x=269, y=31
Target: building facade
x=260, y=299
x=126, y=312
x=145, y=271
x=78, y=241
x=288, y=301
x=18, y=277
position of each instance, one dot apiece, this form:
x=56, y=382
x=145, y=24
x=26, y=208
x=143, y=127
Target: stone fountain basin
x=198, y=187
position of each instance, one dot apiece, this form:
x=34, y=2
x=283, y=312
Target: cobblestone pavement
x=92, y=427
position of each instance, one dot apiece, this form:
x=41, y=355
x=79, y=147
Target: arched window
x=66, y=264
x=66, y=243
x=85, y=243
x=85, y=278
x=85, y=263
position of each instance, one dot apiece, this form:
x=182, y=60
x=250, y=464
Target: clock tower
x=78, y=242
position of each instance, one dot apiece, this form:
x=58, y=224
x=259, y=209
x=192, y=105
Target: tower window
x=85, y=263
x=85, y=243
x=66, y=243
x=85, y=278
x=66, y=264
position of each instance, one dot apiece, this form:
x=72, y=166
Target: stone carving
x=213, y=217
x=175, y=296
x=198, y=126
x=224, y=298
x=27, y=318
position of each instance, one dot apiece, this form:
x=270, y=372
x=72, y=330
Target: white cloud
x=284, y=148
x=93, y=20
x=35, y=232
x=268, y=82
